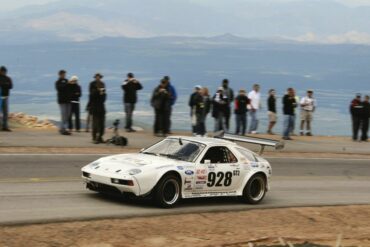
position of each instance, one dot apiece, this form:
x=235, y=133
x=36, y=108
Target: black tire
x=168, y=191
x=255, y=190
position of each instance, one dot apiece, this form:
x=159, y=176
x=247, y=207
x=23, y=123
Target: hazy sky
x=13, y=4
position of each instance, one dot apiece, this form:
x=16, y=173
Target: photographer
x=97, y=108
x=160, y=102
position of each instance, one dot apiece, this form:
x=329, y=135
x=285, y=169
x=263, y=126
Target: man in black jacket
x=289, y=105
x=356, y=110
x=160, y=101
x=271, y=104
x=64, y=100
x=194, y=97
x=6, y=85
x=97, y=108
x=130, y=87
x=75, y=103
x=365, y=119
x=240, y=110
x=229, y=93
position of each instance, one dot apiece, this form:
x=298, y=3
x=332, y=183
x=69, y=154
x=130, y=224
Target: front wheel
x=255, y=189
x=167, y=192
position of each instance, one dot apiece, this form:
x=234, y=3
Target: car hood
x=123, y=163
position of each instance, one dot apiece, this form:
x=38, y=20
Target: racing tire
x=255, y=190
x=167, y=192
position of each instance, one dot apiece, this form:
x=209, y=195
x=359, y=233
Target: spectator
x=356, y=110
x=75, y=103
x=130, y=88
x=365, y=119
x=240, y=110
x=6, y=85
x=255, y=104
x=229, y=93
x=194, y=98
x=220, y=105
x=173, y=97
x=97, y=99
x=64, y=100
x=271, y=104
x=308, y=106
x=289, y=105
x=161, y=102
x=202, y=130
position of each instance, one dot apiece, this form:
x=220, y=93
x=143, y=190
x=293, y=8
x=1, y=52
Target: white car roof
x=205, y=140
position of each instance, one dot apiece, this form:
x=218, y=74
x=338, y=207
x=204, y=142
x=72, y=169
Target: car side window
x=219, y=155
x=249, y=155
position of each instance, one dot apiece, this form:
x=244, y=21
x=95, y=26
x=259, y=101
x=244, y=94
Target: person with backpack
x=75, y=103
x=130, y=87
x=97, y=99
x=160, y=102
x=240, y=110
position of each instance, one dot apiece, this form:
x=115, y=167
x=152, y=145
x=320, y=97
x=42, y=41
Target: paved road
x=44, y=188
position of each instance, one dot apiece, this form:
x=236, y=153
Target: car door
x=218, y=171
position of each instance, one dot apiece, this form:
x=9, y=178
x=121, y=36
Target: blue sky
x=10, y=5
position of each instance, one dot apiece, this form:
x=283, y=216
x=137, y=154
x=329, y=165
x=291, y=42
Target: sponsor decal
x=188, y=187
x=187, y=181
x=189, y=172
x=254, y=164
x=236, y=173
x=180, y=168
x=202, y=177
x=200, y=182
x=201, y=171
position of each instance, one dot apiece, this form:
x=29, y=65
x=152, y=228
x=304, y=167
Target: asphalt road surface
x=47, y=188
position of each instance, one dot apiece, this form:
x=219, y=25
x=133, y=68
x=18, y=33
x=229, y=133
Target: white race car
x=185, y=167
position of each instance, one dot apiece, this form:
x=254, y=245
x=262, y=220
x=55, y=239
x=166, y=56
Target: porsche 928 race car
x=180, y=167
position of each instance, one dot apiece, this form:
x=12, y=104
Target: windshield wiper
x=172, y=156
x=150, y=153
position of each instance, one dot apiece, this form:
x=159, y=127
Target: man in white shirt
x=255, y=104
x=308, y=106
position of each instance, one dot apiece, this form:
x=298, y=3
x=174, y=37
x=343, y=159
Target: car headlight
x=94, y=164
x=134, y=171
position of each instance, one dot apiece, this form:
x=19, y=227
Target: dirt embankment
x=248, y=228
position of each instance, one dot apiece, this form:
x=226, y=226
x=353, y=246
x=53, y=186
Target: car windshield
x=176, y=148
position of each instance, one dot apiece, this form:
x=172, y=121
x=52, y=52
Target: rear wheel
x=255, y=190
x=167, y=192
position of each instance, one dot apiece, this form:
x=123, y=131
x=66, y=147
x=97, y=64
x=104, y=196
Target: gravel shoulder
x=319, y=225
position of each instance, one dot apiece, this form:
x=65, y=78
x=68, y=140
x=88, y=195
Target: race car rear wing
x=263, y=142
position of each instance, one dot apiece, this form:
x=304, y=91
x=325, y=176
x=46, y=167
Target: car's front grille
x=103, y=188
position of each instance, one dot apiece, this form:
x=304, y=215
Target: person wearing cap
x=6, y=85
x=194, y=99
x=64, y=100
x=75, y=104
x=289, y=105
x=220, y=104
x=240, y=110
x=130, y=87
x=308, y=105
x=356, y=110
x=229, y=93
x=365, y=119
x=271, y=104
x=160, y=102
x=255, y=98
x=97, y=99
x=173, y=97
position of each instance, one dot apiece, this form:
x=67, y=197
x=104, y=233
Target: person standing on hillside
x=308, y=106
x=229, y=93
x=75, y=103
x=97, y=99
x=289, y=105
x=160, y=102
x=240, y=110
x=219, y=110
x=64, y=100
x=130, y=87
x=356, y=110
x=271, y=104
x=365, y=119
x=255, y=99
x=194, y=97
x=173, y=97
x=6, y=85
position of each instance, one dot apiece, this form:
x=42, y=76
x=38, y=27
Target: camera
x=116, y=123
